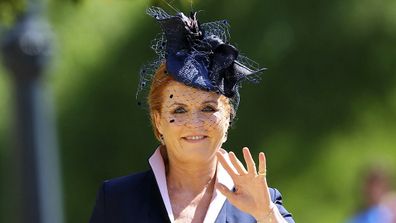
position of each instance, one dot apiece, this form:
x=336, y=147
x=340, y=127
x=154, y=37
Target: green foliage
x=9, y=10
x=323, y=111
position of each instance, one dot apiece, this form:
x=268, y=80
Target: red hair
x=159, y=82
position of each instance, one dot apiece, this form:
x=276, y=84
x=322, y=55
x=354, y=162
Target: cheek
x=169, y=128
x=215, y=122
x=219, y=123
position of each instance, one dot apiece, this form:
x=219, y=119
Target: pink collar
x=157, y=165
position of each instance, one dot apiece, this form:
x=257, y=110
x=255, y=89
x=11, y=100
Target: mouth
x=194, y=138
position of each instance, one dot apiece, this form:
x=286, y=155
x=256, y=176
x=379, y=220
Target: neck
x=194, y=177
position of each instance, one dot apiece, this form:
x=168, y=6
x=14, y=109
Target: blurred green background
x=323, y=112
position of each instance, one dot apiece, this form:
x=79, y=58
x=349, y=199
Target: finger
x=251, y=166
x=226, y=192
x=237, y=164
x=262, y=163
x=227, y=167
x=262, y=166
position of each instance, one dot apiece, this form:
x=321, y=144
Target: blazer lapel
x=156, y=208
x=222, y=217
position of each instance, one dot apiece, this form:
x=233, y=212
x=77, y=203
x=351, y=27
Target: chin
x=199, y=151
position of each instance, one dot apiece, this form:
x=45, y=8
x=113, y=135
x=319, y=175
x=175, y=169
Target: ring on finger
x=262, y=173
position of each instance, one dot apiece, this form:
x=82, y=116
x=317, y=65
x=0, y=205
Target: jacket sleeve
x=98, y=214
x=276, y=198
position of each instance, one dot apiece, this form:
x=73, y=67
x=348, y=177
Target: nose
x=195, y=120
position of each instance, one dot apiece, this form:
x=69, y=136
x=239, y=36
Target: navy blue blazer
x=136, y=198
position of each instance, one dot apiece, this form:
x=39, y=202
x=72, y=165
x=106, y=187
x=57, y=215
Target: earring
x=225, y=137
x=162, y=139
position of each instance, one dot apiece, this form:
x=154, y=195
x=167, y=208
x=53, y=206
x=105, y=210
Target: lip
x=190, y=140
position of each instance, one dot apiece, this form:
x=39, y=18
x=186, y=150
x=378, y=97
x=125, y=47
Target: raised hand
x=251, y=193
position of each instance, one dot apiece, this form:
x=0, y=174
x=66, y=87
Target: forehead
x=176, y=91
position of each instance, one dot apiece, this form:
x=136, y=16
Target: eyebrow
x=205, y=102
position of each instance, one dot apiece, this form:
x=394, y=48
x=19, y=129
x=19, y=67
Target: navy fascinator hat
x=198, y=55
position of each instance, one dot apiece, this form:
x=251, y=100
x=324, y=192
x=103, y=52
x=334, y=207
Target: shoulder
x=230, y=213
x=236, y=215
x=276, y=196
x=130, y=188
x=134, y=179
x=128, y=191
x=277, y=199
x=125, y=199
x=128, y=184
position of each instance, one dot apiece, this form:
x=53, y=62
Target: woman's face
x=193, y=122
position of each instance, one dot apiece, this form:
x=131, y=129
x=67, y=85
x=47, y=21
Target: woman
x=192, y=100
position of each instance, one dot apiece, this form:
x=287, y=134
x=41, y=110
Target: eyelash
x=211, y=109
x=181, y=110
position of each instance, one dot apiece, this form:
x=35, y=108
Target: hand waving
x=251, y=193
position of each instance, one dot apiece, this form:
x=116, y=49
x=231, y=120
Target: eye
x=209, y=108
x=179, y=110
